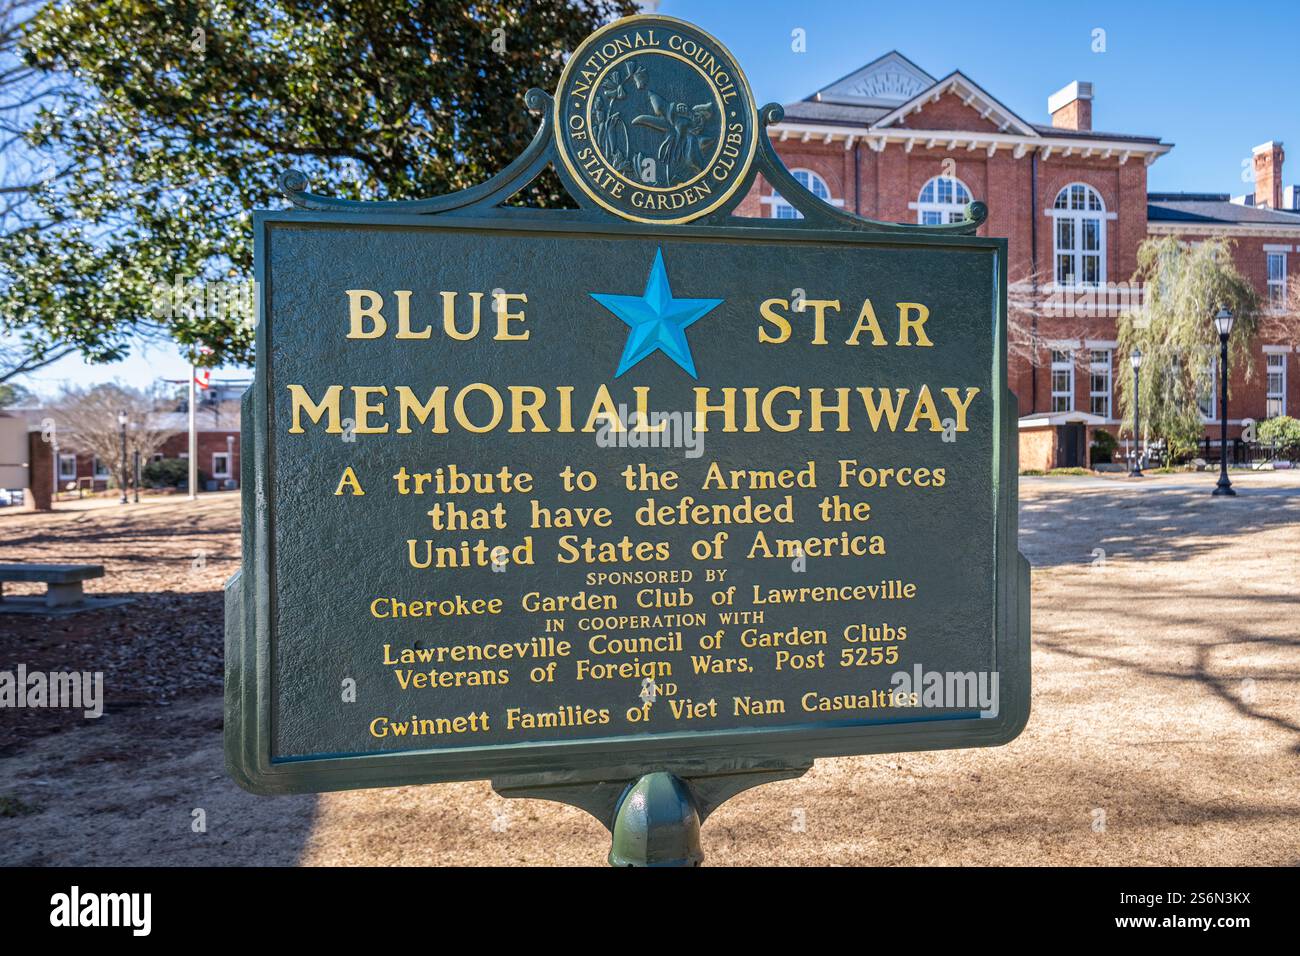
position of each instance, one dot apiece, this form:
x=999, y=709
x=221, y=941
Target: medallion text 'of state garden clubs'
x=538, y=492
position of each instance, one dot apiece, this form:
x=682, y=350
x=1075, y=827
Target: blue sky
x=1214, y=79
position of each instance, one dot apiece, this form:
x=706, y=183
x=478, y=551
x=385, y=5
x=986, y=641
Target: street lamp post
x=121, y=421
x=1223, y=324
x=1135, y=357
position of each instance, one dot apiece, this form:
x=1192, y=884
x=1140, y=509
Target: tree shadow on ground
x=1061, y=528
x=87, y=535
x=1233, y=690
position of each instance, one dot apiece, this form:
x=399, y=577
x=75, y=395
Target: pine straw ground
x=1166, y=723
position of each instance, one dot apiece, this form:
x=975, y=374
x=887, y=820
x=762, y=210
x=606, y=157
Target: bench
x=62, y=581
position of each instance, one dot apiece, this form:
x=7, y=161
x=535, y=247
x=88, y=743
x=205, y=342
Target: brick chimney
x=1268, y=174
x=1071, y=106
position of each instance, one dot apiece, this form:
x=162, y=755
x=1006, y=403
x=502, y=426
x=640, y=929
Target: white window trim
x=1053, y=368
x=225, y=472
x=95, y=470
x=1270, y=283
x=945, y=209
x=1213, y=415
x=1109, y=393
x=775, y=200
x=1268, y=395
x=65, y=456
x=1078, y=216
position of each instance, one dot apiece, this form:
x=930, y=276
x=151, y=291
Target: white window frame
x=1061, y=365
x=1276, y=287
x=1272, y=395
x=225, y=470
x=99, y=470
x=942, y=211
x=1212, y=400
x=812, y=181
x=1076, y=206
x=1108, y=368
x=70, y=457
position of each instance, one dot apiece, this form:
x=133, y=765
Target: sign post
x=634, y=506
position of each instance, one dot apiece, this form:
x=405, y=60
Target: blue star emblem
x=657, y=321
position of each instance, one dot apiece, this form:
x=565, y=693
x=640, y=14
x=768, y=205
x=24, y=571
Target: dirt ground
x=1165, y=728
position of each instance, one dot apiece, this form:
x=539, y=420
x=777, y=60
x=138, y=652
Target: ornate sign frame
x=676, y=779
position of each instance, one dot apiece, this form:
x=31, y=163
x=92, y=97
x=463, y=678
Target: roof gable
x=983, y=106
x=886, y=81
x=948, y=112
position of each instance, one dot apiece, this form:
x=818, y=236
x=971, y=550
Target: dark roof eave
x=1049, y=130
x=824, y=121
x=1045, y=130
x=1193, y=212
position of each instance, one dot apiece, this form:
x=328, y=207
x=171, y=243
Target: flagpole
x=194, y=439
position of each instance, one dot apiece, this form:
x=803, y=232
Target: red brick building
x=890, y=141
x=217, y=427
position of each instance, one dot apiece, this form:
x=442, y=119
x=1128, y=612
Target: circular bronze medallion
x=654, y=120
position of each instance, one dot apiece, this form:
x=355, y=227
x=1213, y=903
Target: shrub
x=1183, y=447
x=1283, y=433
x=1102, y=450
x=166, y=472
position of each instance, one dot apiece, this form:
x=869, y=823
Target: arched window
x=943, y=199
x=1079, y=237
x=811, y=182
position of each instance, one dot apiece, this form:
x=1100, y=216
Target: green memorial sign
x=633, y=506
